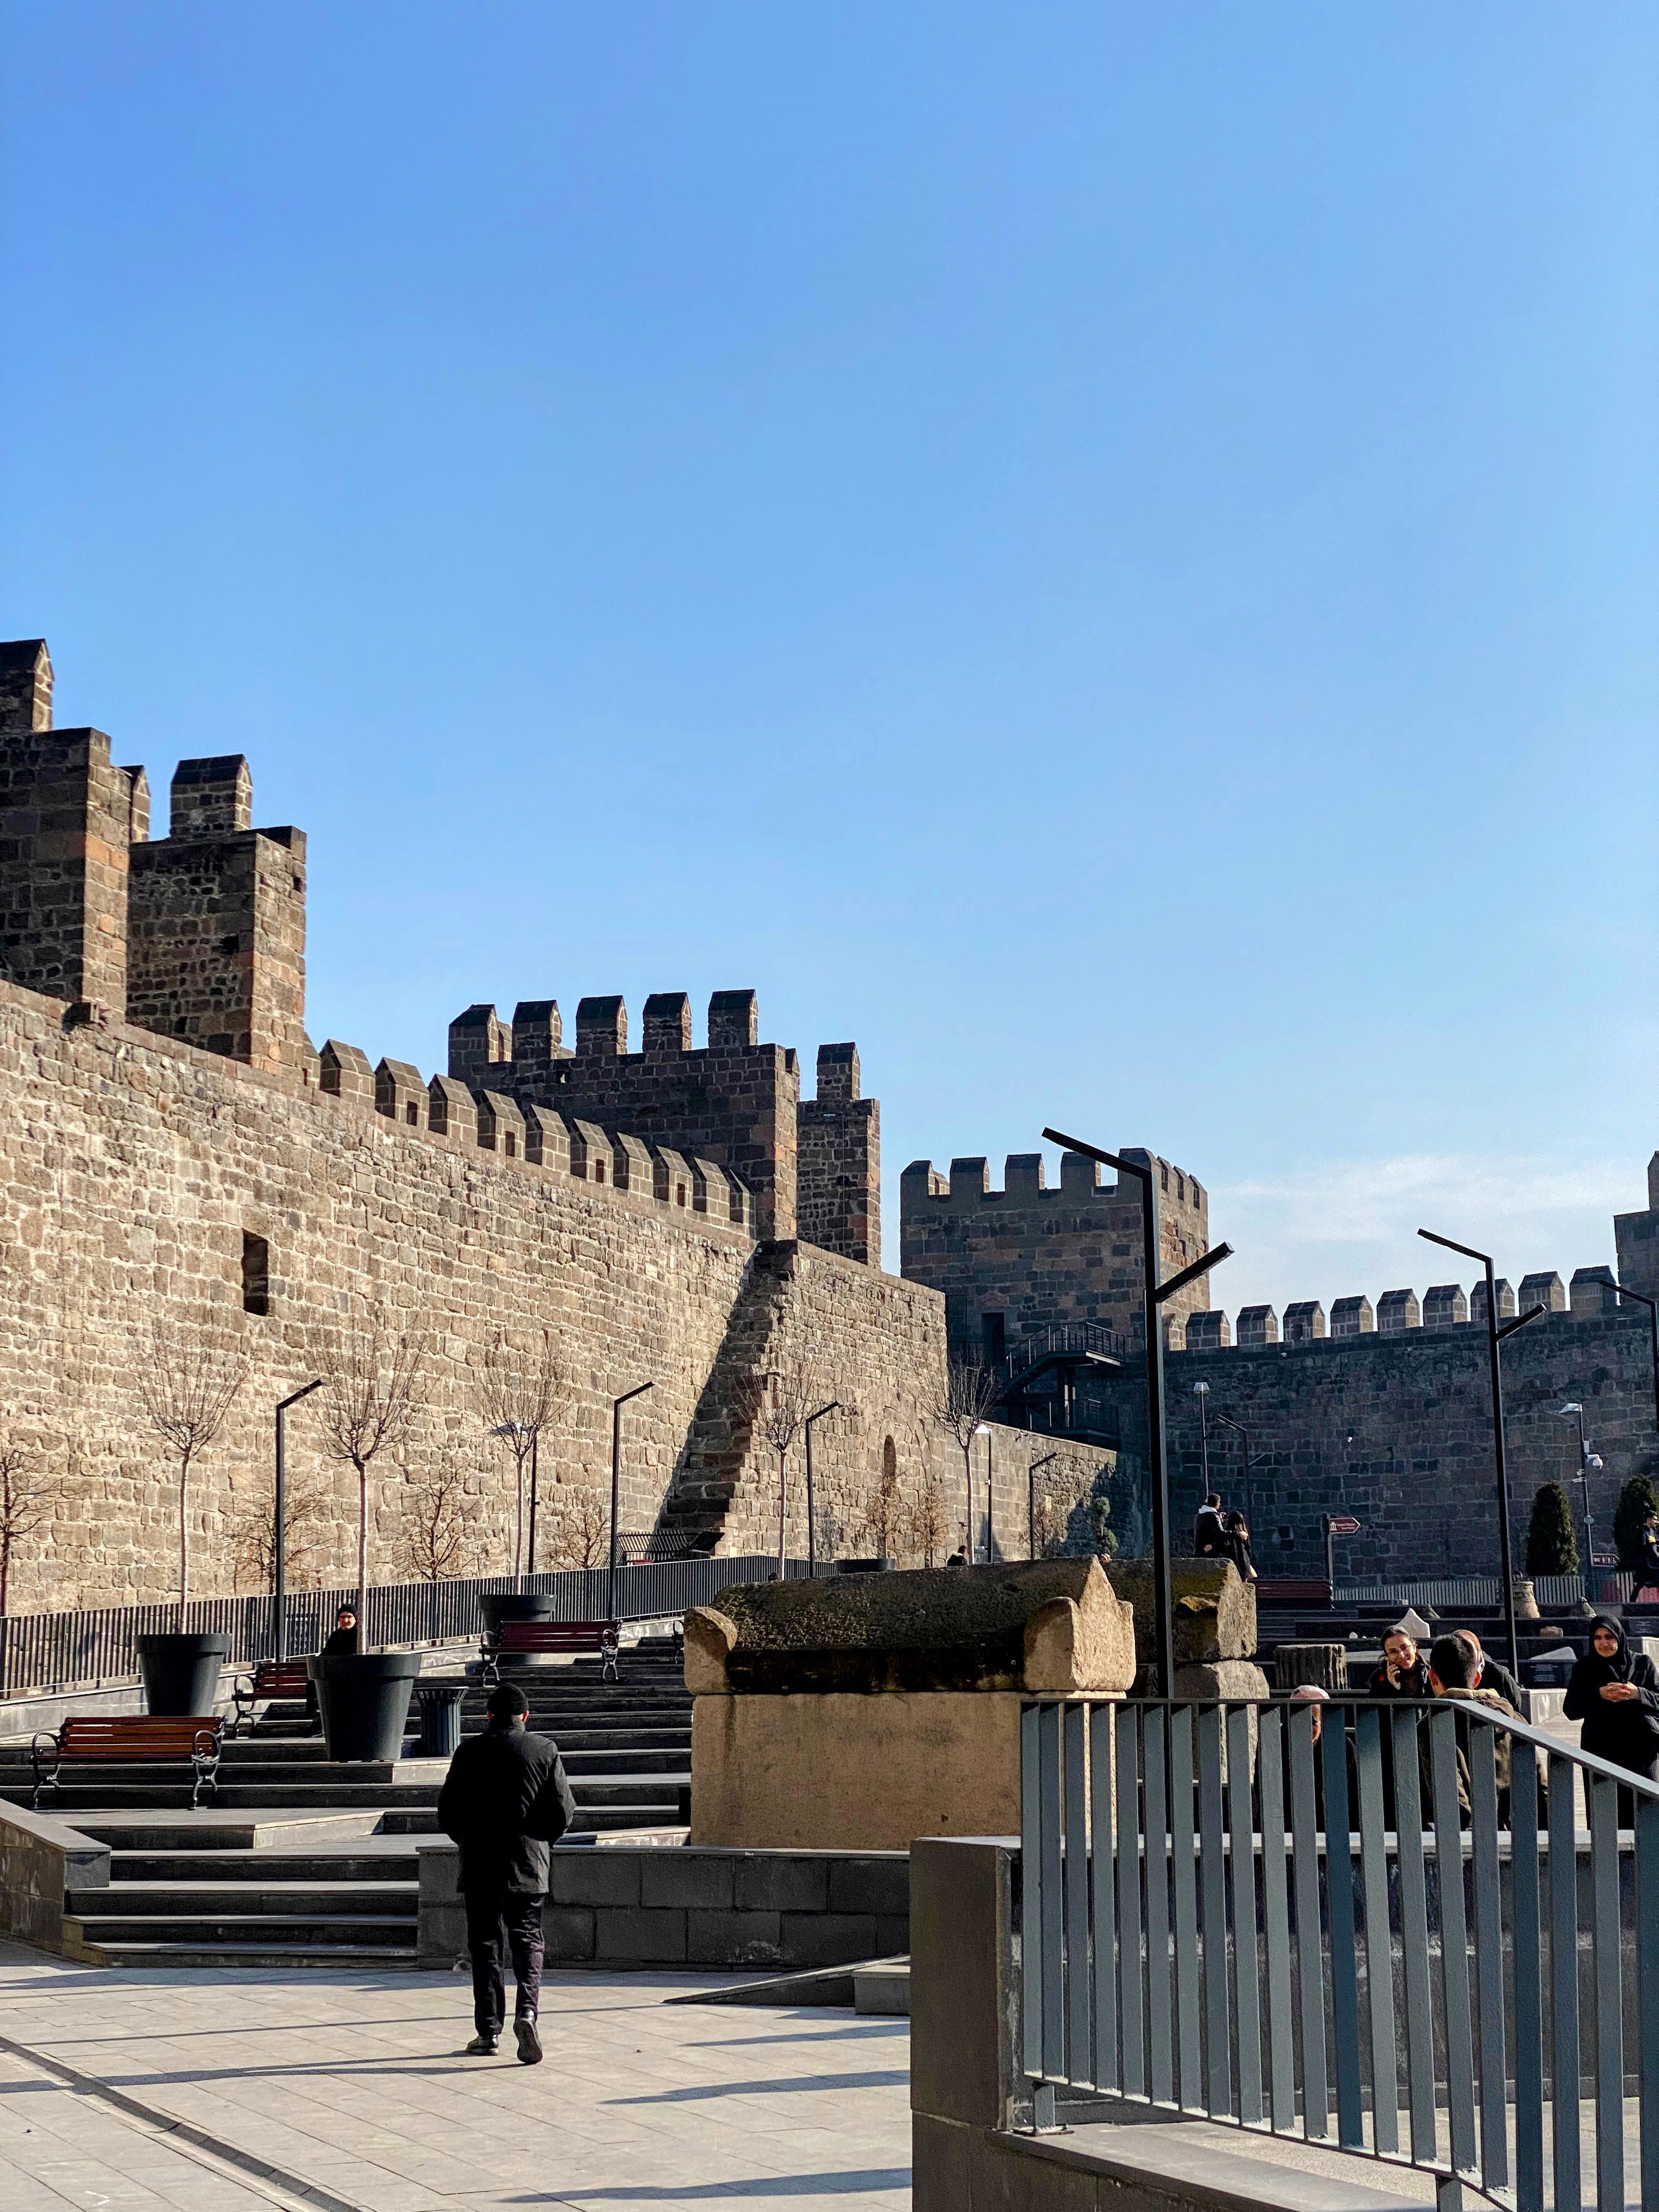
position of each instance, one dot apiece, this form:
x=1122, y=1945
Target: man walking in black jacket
x=505, y=1800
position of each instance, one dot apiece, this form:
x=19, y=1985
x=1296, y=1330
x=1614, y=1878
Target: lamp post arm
x=279, y=1506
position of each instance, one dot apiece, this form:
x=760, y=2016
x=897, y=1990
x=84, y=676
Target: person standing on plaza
x=505, y=1800
x=1238, y=1545
x=1614, y=1693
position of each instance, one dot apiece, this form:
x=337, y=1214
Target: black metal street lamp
x=1228, y=1422
x=1495, y=1336
x=1201, y=1392
x=834, y=1406
x=279, y=1560
x=1157, y=1294
x=1588, y=1459
x=616, y=1405
x=1047, y=1460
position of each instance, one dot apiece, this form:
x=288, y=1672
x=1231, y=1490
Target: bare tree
x=518, y=1393
x=961, y=1409
x=876, y=1508
x=580, y=1527
x=774, y=1403
x=308, y=1509
x=28, y=1493
x=366, y=1404
x=186, y=1386
x=925, y=1523
x=436, y=1539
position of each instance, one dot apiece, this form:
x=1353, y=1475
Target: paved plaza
x=125, y=2089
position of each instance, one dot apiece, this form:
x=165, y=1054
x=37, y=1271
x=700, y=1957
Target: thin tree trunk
x=518, y=1527
x=183, y=1539
x=969, y=1547
x=782, y=1511
x=362, y=1551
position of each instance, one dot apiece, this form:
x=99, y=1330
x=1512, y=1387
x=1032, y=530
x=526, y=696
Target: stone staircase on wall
x=303, y=1862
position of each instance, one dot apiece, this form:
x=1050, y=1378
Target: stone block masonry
x=1015, y=1260
x=173, y=1151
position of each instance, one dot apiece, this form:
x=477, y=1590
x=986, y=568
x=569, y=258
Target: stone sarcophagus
x=860, y=1713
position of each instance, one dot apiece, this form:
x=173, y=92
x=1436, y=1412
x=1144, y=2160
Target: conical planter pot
x=364, y=1696
x=515, y=1605
x=181, y=1673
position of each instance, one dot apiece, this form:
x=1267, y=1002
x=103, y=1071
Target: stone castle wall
x=1014, y=1260
x=1397, y=1429
x=131, y=1169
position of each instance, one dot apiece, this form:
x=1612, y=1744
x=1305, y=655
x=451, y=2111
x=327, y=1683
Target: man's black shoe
x=482, y=2046
x=530, y=2044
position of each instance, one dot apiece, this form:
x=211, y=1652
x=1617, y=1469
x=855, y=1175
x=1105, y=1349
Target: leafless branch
x=580, y=1526
x=518, y=1393
x=437, y=1536
x=367, y=1404
x=186, y=1385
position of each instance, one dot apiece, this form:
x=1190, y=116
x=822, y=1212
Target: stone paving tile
x=357, y=2085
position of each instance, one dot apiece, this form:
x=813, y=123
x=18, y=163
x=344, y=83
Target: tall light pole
x=1156, y=1293
x=1030, y=1499
x=985, y=1429
x=1495, y=1336
x=1201, y=1392
x=279, y=1559
x=1587, y=1460
x=834, y=1406
x=616, y=1405
x=1228, y=1422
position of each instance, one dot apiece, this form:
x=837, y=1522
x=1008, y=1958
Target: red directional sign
x=1342, y=1524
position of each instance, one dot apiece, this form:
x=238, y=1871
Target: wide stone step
x=261, y=1868
x=367, y=1930
x=307, y=1955
x=277, y=1898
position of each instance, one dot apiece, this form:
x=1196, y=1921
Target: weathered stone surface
x=1214, y=1609
x=1052, y=1625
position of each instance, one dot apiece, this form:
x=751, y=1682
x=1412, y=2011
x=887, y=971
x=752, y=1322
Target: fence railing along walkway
x=1248, y=1912
x=85, y=1649
x=1554, y=1592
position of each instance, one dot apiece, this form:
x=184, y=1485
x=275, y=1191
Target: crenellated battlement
x=200, y=936
x=1442, y=1308
x=1016, y=1260
x=812, y=1167
x=1026, y=1183
x=486, y=1118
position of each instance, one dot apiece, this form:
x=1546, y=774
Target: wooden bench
x=1281, y=1594
x=578, y=1639
x=127, y=1739
x=271, y=1678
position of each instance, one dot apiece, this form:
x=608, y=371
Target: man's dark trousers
x=501, y=1923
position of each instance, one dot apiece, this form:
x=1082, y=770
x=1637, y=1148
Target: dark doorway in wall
x=256, y=1273
x=994, y=1329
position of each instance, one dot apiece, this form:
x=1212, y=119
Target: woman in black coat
x=1614, y=1692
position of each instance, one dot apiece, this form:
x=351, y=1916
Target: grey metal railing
x=1553, y=1592
x=96, y=1646
x=1243, y=1912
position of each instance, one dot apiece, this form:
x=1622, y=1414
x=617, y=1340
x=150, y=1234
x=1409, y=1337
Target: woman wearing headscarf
x=1614, y=1693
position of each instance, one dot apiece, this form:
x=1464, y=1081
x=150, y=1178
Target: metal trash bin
x=440, y=1717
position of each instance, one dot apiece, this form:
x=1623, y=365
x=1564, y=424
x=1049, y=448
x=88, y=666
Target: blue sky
x=1108, y=552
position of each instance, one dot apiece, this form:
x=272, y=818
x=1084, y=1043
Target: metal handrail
x=1064, y=1336
x=90, y=1647
x=1350, y=1989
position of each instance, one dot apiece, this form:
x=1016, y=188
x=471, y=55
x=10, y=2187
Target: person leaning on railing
x=1614, y=1692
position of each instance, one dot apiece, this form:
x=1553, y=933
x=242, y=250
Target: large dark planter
x=181, y=1673
x=364, y=1696
x=515, y=1605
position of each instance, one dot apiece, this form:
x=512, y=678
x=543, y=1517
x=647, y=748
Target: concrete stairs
x=303, y=1862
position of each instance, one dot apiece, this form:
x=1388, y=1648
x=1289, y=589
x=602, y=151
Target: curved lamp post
x=1157, y=1293
x=279, y=1560
x=616, y=1405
